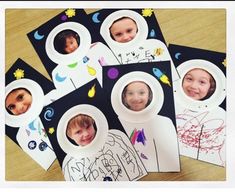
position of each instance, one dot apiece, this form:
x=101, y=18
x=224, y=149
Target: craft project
x=26, y=93
x=142, y=97
x=88, y=139
x=70, y=54
x=133, y=35
x=200, y=102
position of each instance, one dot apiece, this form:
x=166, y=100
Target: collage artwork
x=118, y=95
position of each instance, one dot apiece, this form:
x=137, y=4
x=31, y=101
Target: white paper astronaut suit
x=109, y=157
x=82, y=65
x=201, y=124
x=139, y=49
x=31, y=135
x=153, y=136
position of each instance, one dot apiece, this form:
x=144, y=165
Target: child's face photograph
x=197, y=83
x=18, y=101
x=123, y=30
x=66, y=41
x=136, y=95
x=81, y=129
x=71, y=44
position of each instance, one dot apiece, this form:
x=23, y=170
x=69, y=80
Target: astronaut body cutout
x=109, y=156
x=83, y=64
x=152, y=134
x=201, y=122
x=25, y=126
x=139, y=49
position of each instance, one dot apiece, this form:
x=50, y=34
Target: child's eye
x=11, y=107
x=118, y=34
x=188, y=79
x=202, y=82
x=129, y=93
x=78, y=132
x=20, y=97
x=129, y=30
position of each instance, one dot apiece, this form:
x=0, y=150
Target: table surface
x=199, y=28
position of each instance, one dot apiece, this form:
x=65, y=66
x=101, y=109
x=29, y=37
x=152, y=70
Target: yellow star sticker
x=147, y=12
x=19, y=73
x=70, y=12
x=51, y=130
x=224, y=63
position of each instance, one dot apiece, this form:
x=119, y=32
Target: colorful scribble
x=196, y=130
x=138, y=136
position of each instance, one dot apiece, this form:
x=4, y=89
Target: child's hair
x=212, y=86
x=80, y=120
x=125, y=90
x=60, y=40
x=120, y=20
x=13, y=90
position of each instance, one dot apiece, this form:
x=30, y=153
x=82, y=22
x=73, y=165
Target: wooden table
x=199, y=28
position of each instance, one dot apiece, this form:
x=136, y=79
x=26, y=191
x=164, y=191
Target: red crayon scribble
x=197, y=131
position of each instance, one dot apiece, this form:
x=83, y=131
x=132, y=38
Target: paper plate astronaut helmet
x=214, y=93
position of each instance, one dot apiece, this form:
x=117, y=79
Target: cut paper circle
x=35, y=108
x=214, y=100
x=141, y=35
x=101, y=133
x=78, y=54
x=137, y=116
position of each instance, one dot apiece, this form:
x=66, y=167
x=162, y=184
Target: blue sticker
x=48, y=113
x=85, y=59
x=43, y=146
x=32, y=145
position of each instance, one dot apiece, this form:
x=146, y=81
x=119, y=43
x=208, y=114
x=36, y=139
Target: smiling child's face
x=196, y=83
x=71, y=44
x=136, y=96
x=18, y=101
x=123, y=30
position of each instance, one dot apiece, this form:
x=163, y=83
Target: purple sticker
x=63, y=17
x=113, y=73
